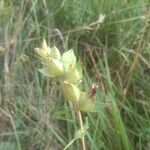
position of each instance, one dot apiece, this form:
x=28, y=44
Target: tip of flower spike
x=44, y=44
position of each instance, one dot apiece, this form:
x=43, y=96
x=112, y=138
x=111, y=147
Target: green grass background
x=115, y=54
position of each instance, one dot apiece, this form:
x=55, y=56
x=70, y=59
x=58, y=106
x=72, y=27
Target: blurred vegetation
x=115, y=53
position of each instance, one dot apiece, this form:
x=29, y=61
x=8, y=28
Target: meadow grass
x=115, y=54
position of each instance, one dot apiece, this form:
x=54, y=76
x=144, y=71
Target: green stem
x=82, y=129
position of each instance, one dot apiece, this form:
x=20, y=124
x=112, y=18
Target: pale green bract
x=73, y=70
x=74, y=74
x=68, y=58
x=71, y=92
x=55, y=53
x=54, y=67
x=86, y=103
x=44, y=46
